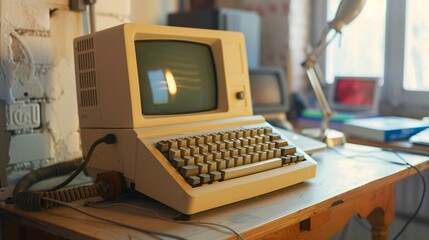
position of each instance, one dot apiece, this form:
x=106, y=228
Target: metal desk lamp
x=346, y=12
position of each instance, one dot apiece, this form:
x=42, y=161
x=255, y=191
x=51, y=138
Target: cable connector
x=115, y=181
x=110, y=138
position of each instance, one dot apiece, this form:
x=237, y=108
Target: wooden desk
x=317, y=208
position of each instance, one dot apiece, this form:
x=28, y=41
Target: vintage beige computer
x=178, y=101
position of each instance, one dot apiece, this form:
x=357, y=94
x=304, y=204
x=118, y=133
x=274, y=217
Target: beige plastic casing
x=109, y=102
x=136, y=156
x=108, y=84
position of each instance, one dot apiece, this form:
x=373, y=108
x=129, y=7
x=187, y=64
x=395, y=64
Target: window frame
x=395, y=100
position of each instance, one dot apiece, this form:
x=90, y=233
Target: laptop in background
x=355, y=95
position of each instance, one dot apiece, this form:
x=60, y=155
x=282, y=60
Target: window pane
x=416, y=74
x=359, y=51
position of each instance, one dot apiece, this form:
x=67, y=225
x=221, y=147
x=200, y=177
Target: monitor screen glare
x=175, y=77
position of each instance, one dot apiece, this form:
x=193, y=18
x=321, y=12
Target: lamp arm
x=326, y=110
x=315, y=76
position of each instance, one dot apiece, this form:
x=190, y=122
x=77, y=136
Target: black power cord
x=419, y=206
x=108, y=139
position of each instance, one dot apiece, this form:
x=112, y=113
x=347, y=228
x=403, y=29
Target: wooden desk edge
x=311, y=211
x=272, y=227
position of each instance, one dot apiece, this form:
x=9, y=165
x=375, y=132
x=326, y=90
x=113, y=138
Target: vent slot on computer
x=87, y=84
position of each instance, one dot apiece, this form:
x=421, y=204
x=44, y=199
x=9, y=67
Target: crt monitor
x=269, y=92
x=138, y=81
x=355, y=94
x=161, y=90
x=137, y=75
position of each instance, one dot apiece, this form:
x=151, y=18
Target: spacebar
x=248, y=169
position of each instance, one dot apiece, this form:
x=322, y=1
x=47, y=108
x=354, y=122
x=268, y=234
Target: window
x=359, y=50
x=389, y=39
x=416, y=77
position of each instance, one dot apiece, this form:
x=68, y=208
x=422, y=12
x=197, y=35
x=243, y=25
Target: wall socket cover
x=23, y=116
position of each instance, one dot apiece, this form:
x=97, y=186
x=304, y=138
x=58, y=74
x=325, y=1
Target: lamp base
x=331, y=137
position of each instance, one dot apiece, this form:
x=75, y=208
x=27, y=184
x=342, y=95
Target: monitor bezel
x=352, y=108
x=214, y=44
x=215, y=81
x=284, y=95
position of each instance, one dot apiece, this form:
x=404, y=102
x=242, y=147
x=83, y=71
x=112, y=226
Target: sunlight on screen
x=176, y=77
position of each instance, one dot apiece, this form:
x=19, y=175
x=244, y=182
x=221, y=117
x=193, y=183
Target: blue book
x=339, y=116
x=384, y=129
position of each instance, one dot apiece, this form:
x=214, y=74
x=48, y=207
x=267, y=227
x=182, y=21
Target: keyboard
x=221, y=156
x=194, y=167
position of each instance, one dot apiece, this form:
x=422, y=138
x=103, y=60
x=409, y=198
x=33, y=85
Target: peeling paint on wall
x=37, y=67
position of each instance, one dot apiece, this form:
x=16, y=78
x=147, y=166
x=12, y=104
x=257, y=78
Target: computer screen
x=176, y=77
x=355, y=94
x=269, y=92
x=138, y=75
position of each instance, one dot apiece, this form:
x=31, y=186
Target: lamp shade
x=346, y=12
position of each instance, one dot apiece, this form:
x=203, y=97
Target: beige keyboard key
x=220, y=145
x=244, y=142
x=280, y=143
x=162, y=146
x=189, y=160
x=173, y=153
x=253, y=132
x=190, y=170
x=204, y=177
x=199, y=140
x=252, y=168
x=204, y=168
x=208, y=157
x=194, y=181
x=208, y=138
x=178, y=162
x=190, y=141
x=172, y=143
x=247, y=159
x=199, y=158
x=194, y=150
x=184, y=151
x=181, y=142
x=288, y=150
x=221, y=164
x=215, y=176
x=274, y=136
x=268, y=130
x=212, y=166
x=203, y=148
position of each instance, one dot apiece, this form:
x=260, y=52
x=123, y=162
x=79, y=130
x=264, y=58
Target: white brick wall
x=37, y=68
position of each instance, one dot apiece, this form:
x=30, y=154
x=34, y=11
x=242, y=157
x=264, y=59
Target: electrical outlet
x=21, y=116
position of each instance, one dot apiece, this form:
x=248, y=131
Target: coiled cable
x=33, y=200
